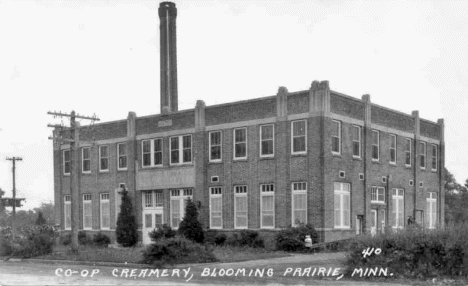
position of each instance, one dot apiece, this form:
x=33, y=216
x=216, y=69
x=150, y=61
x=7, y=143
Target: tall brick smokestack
x=168, y=46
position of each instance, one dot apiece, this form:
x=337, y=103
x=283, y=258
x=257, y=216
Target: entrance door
x=359, y=224
x=151, y=220
x=373, y=222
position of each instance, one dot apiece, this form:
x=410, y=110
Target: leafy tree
x=190, y=227
x=456, y=200
x=40, y=219
x=126, y=232
x=47, y=210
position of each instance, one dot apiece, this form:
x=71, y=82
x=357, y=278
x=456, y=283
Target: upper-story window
x=66, y=162
x=152, y=152
x=408, y=151
x=299, y=137
x=393, y=149
x=356, y=141
x=86, y=160
x=378, y=195
x=336, y=137
x=122, y=156
x=267, y=140
x=375, y=145
x=240, y=143
x=181, y=149
x=434, y=157
x=422, y=155
x=215, y=146
x=103, y=158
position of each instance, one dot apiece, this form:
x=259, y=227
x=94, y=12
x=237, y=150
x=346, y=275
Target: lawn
x=134, y=254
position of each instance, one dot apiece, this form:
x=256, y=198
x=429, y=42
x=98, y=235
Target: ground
x=33, y=273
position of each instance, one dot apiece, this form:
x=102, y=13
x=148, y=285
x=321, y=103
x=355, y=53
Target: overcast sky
x=102, y=57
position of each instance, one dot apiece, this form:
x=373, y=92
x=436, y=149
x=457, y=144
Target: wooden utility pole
x=13, y=222
x=74, y=170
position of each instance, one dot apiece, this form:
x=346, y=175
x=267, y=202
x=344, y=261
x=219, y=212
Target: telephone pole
x=74, y=170
x=13, y=222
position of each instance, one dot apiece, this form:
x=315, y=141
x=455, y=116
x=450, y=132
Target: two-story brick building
x=316, y=156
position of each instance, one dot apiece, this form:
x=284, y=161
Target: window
x=66, y=162
x=431, y=210
x=393, y=149
x=122, y=156
x=336, y=137
x=152, y=152
x=87, y=212
x=67, y=211
x=422, y=153
x=408, y=152
x=104, y=158
x=267, y=206
x=342, y=205
x=299, y=137
x=179, y=198
x=356, y=141
x=181, y=149
x=118, y=202
x=105, y=211
x=299, y=203
x=267, y=140
x=398, y=208
x=216, y=208
x=240, y=207
x=215, y=146
x=378, y=195
x=86, y=160
x=375, y=145
x=152, y=199
x=240, y=143
x=434, y=158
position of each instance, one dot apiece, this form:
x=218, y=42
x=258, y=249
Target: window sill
x=407, y=166
x=434, y=171
x=67, y=175
x=240, y=159
x=342, y=228
x=302, y=153
x=181, y=165
x=104, y=172
x=122, y=170
x=378, y=202
x=86, y=173
x=377, y=161
x=335, y=154
x=357, y=158
x=392, y=164
x=422, y=169
x=215, y=162
x=267, y=158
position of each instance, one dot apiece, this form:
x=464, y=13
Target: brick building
x=316, y=156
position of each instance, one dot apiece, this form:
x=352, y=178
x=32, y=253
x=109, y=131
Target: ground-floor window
x=267, y=206
x=431, y=210
x=87, y=212
x=240, y=207
x=216, y=207
x=178, y=202
x=398, y=208
x=67, y=211
x=342, y=205
x=299, y=203
x=105, y=211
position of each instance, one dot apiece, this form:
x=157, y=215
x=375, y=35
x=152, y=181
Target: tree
x=456, y=200
x=126, y=232
x=47, y=210
x=40, y=219
x=190, y=227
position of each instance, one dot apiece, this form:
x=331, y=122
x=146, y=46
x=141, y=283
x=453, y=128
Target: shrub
x=247, y=238
x=215, y=237
x=292, y=238
x=162, y=232
x=29, y=241
x=190, y=227
x=414, y=253
x=84, y=239
x=176, y=250
x=40, y=219
x=101, y=239
x=126, y=231
x=66, y=239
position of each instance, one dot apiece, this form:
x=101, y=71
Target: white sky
x=103, y=57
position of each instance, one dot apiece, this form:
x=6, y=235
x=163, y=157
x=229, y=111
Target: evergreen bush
x=190, y=227
x=292, y=238
x=162, y=232
x=101, y=240
x=126, y=231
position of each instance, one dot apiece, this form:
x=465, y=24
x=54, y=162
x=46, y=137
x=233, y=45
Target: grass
x=134, y=254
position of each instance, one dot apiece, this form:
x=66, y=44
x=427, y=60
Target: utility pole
x=74, y=170
x=13, y=222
